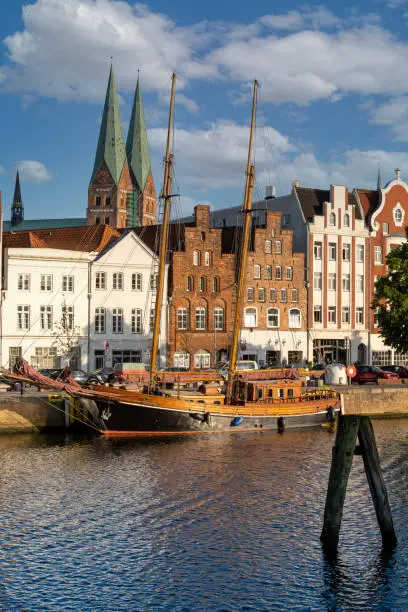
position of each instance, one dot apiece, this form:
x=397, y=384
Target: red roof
x=369, y=200
x=86, y=238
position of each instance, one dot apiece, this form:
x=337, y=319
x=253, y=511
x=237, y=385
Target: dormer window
x=332, y=219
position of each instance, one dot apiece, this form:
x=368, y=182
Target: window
x=318, y=250
x=278, y=247
x=15, y=353
x=219, y=319
x=273, y=295
x=268, y=272
x=289, y=273
x=182, y=318
x=181, y=359
x=273, y=317
x=200, y=317
x=295, y=318
x=346, y=251
x=250, y=317
x=207, y=258
x=317, y=314
x=284, y=295
x=108, y=200
x=250, y=294
x=202, y=236
x=68, y=283
x=68, y=317
x=332, y=219
x=46, y=282
x=153, y=282
x=345, y=282
x=386, y=228
x=151, y=319
x=382, y=358
x=189, y=285
x=196, y=258
x=106, y=220
x=23, y=282
x=360, y=283
x=268, y=246
x=97, y=220
x=99, y=355
x=332, y=314
x=345, y=314
x=278, y=273
x=360, y=253
x=397, y=216
x=317, y=281
x=216, y=284
x=346, y=220
x=202, y=283
x=332, y=282
x=98, y=200
x=117, y=280
x=126, y=356
x=285, y=220
x=45, y=357
x=100, y=280
x=100, y=320
x=117, y=321
x=295, y=295
x=257, y=271
x=46, y=317
x=360, y=315
x=202, y=359
x=261, y=294
x=376, y=322
x=137, y=282
x=136, y=320
x=378, y=255
x=332, y=251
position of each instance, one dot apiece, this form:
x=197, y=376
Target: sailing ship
x=277, y=400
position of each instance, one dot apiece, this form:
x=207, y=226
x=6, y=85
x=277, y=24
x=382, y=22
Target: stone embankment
x=383, y=400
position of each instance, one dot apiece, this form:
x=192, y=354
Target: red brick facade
x=106, y=201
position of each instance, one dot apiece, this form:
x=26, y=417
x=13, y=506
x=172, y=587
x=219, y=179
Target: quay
x=35, y=411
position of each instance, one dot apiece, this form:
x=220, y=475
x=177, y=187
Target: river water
x=218, y=522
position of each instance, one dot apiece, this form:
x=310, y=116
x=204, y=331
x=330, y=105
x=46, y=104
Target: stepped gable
x=312, y=200
x=85, y=238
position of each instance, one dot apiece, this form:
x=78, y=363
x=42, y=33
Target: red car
x=371, y=374
x=400, y=371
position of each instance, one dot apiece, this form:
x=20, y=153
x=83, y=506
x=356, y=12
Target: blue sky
x=333, y=100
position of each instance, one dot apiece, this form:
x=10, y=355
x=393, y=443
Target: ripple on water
x=203, y=523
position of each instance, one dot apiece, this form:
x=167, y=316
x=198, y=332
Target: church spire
x=17, y=209
x=111, y=146
x=137, y=146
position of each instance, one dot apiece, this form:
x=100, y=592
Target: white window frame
x=117, y=320
x=100, y=281
x=278, y=273
x=68, y=283
x=100, y=320
x=346, y=251
x=284, y=295
x=332, y=249
x=67, y=316
x=257, y=271
x=196, y=258
x=295, y=318
x=346, y=220
x=345, y=315
x=182, y=318
x=295, y=296
x=278, y=247
x=332, y=314
x=250, y=294
x=202, y=360
x=24, y=282
x=207, y=258
x=345, y=283
x=332, y=281
x=201, y=318
x=360, y=250
x=289, y=272
x=360, y=283
x=261, y=294
x=268, y=246
x=332, y=219
x=317, y=309
x=136, y=320
x=378, y=256
x=46, y=317
x=219, y=319
x=318, y=250
x=46, y=283
x=137, y=281
x=273, y=318
x=250, y=317
x=317, y=281
x=181, y=359
x=359, y=315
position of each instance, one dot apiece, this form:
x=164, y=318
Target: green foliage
x=391, y=299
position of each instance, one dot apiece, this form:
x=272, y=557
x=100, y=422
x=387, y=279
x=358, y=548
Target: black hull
x=121, y=418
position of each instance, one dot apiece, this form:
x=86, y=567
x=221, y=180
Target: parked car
x=46, y=371
x=102, y=376
x=371, y=374
x=400, y=371
x=79, y=376
x=241, y=365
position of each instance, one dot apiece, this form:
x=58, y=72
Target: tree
x=66, y=334
x=391, y=299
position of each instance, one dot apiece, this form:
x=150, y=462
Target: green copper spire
x=137, y=146
x=111, y=146
x=17, y=209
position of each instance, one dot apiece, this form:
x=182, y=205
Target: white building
x=91, y=284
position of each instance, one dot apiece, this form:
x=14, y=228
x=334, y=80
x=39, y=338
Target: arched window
x=219, y=319
x=202, y=283
x=268, y=246
x=189, y=286
x=216, y=284
x=332, y=219
x=207, y=258
x=196, y=258
x=202, y=359
x=278, y=246
x=182, y=318
x=257, y=271
x=295, y=318
x=273, y=317
x=200, y=318
x=250, y=317
x=346, y=220
x=181, y=359
x=98, y=200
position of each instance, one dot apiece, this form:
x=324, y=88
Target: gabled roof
x=312, y=200
x=369, y=199
x=137, y=145
x=111, y=146
x=88, y=239
x=150, y=236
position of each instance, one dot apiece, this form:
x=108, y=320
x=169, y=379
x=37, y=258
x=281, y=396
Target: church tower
x=141, y=208
x=17, y=209
x=111, y=185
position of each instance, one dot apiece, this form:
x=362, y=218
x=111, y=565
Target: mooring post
x=376, y=482
x=342, y=460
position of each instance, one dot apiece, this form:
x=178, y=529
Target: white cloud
x=393, y=114
x=33, y=172
x=395, y=4
x=310, y=17
x=2, y=170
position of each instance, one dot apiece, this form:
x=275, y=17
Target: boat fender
x=281, y=424
x=237, y=421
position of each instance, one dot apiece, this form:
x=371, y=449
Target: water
x=224, y=522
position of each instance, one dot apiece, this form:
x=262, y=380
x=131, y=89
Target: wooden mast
x=247, y=211
x=166, y=195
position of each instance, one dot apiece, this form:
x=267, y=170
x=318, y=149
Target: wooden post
x=376, y=483
x=342, y=460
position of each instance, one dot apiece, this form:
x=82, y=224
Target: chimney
x=296, y=183
x=270, y=192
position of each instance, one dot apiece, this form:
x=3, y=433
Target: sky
x=333, y=100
